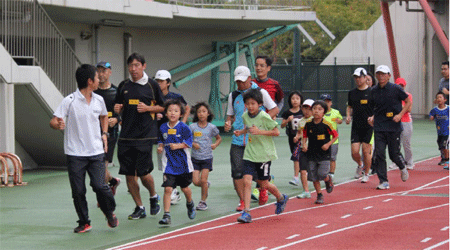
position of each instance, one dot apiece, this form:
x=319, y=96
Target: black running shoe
x=191, y=210
x=112, y=220
x=82, y=228
x=319, y=199
x=154, y=205
x=166, y=220
x=329, y=184
x=137, y=214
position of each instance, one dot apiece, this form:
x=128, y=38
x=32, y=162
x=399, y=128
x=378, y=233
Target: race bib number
x=172, y=131
x=390, y=114
x=363, y=101
x=197, y=134
x=320, y=137
x=109, y=114
x=133, y=101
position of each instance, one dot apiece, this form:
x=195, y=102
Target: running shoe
x=209, y=184
x=410, y=167
x=442, y=162
x=358, y=173
x=255, y=195
x=446, y=165
x=404, y=174
x=304, y=195
x=263, y=196
x=393, y=166
x=241, y=206
x=319, y=199
x=175, y=197
x=114, y=187
x=201, y=206
x=280, y=205
x=112, y=220
x=365, y=178
x=191, y=210
x=154, y=205
x=295, y=181
x=82, y=228
x=329, y=184
x=383, y=185
x=166, y=220
x=244, y=218
x=137, y=214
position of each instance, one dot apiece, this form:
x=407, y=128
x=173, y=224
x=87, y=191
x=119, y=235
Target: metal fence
x=30, y=36
x=244, y=4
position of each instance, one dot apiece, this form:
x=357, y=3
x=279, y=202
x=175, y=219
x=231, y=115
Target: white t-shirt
x=268, y=103
x=82, y=134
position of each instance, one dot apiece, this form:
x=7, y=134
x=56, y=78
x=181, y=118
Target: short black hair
x=321, y=103
x=137, y=57
x=254, y=94
x=441, y=93
x=202, y=104
x=174, y=102
x=266, y=58
x=83, y=73
x=445, y=63
x=295, y=92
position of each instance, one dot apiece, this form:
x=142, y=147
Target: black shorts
x=359, y=135
x=300, y=156
x=236, y=155
x=202, y=164
x=111, y=146
x=182, y=180
x=135, y=160
x=260, y=169
x=442, y=142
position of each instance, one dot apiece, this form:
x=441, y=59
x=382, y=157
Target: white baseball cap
x=360, y=72
x=308, y=102
x=384, y=69
x=241, y=73
x=162, y=75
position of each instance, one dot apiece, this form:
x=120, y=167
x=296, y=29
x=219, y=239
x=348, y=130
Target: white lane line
x=424, y=186
x=387, y=200
x=425, y=240
x=346, y=216
x=444, y=228
x=358, y=225
x=319, y=226
x=437, y=245
x=261, y=248
x=292, y=236
x=369, y=207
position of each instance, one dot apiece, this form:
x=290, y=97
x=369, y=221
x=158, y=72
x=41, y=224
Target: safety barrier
x=16, y=175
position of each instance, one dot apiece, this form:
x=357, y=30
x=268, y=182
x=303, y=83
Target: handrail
x=32, y=38
x=244, y=4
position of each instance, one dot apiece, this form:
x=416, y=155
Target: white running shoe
x=392, y=166
x=359, y=171
x=365, y=178
x=384, y=185
x=410, y=167
x=175, y=197
x=295, y=181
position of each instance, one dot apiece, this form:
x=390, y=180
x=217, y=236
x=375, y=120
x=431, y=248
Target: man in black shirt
x=359, y=109
x=138, y=101
x=387, y=98
x=108, y=91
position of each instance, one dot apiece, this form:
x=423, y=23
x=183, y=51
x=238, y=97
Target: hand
x=142, y=107
x=397, y=118
x=348, y=119
x=237, y=133
x=174, y=146
x=112, y=122
x=118, y=108
x=295, y=140
x=325, y=147
x=159, y=116
x=253, y=130
x=305, y=148
x=290, y=118
x=160, y=149
x=213, y=146
x=196, y=145
x=105, y=143
x=227, y=126
x=61, y=123
x=370, y=121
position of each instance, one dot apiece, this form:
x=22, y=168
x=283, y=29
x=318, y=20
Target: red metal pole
x=390, y=37
x=434, y=22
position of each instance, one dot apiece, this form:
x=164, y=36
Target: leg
x=133, y=187
x=247, y=191
x=77, y=175
x=380, y=156
x=236, y=160
x=332, y=166
x=304, y=178
x=105, y=197
x=355, y=153
x=367, y=152
x=296, y=169
x=239, y=187
x=108, y=175
x=187, y=193
x=393, y=141
x=196, y=178
x=317, y=187
x=406, y=142
x=271, y=188
x=204, y=183
x=149, y=183
x=166, y=199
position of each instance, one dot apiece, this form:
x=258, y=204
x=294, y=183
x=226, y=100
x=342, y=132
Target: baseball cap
x=360, y=72
x=326, y=97
x=241, y=73
x=384, y=69
x=162, y=75
x=104, y=64
x=401, y=81
x=308, y=102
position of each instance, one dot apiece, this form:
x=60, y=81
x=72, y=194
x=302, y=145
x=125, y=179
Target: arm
x=445, y=91
x=240, y=132
x=370, y=120
x=142, y=107
x=186, y=114
x=228, y=123
x=104, y=126
x=256, y=131
x=405, y=108
x=273, y=112
x=217, y=143
x=286, y=121
x=298, y=136
x=175, y=146
x=349, y=113
x=160, y=148
x=304, y=143
x=335, y=136
x=57, y=123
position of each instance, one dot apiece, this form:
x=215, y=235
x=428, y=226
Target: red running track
x=410, y=215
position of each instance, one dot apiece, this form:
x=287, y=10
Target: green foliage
x=339, y=16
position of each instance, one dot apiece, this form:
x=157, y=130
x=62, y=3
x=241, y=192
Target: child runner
x=317, y=133
x=202, y=156
x=175, y=139
x=334, y=117
x=298, y=153
x=440, y=115
x=259, y=152
x=291, y=117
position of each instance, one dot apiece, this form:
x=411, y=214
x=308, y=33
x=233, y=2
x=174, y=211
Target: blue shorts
x=260, y=169
x=202, y=164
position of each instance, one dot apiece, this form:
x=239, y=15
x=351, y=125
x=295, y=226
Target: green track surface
x=41, y=215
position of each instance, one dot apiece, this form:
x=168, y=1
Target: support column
x=7, y=128
x=390, y=37
x=435, y=24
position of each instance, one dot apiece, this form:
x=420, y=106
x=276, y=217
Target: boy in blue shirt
x=440, y=115
x=174, y=143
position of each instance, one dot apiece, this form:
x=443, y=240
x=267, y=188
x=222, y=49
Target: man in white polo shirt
x=84, y=118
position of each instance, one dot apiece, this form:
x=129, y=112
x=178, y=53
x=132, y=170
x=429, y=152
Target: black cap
x=104, y=64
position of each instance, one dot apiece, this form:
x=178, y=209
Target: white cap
x=162, y=75
x=360, y=72
x=308, y=102
x=241, y=73
x=384, y=69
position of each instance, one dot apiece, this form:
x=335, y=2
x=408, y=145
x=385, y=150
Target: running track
x=410, y=215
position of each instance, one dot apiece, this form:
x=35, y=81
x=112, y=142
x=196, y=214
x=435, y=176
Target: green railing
x=243, y=4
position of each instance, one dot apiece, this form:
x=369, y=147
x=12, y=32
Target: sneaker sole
x=141, y=217
x=293, y=183
x=243, y=221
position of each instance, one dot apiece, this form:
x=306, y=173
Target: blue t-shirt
x=203, y=136
x=178, y=161
x=441, y=118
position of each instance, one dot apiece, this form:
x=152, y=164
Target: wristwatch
x=106, y=133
